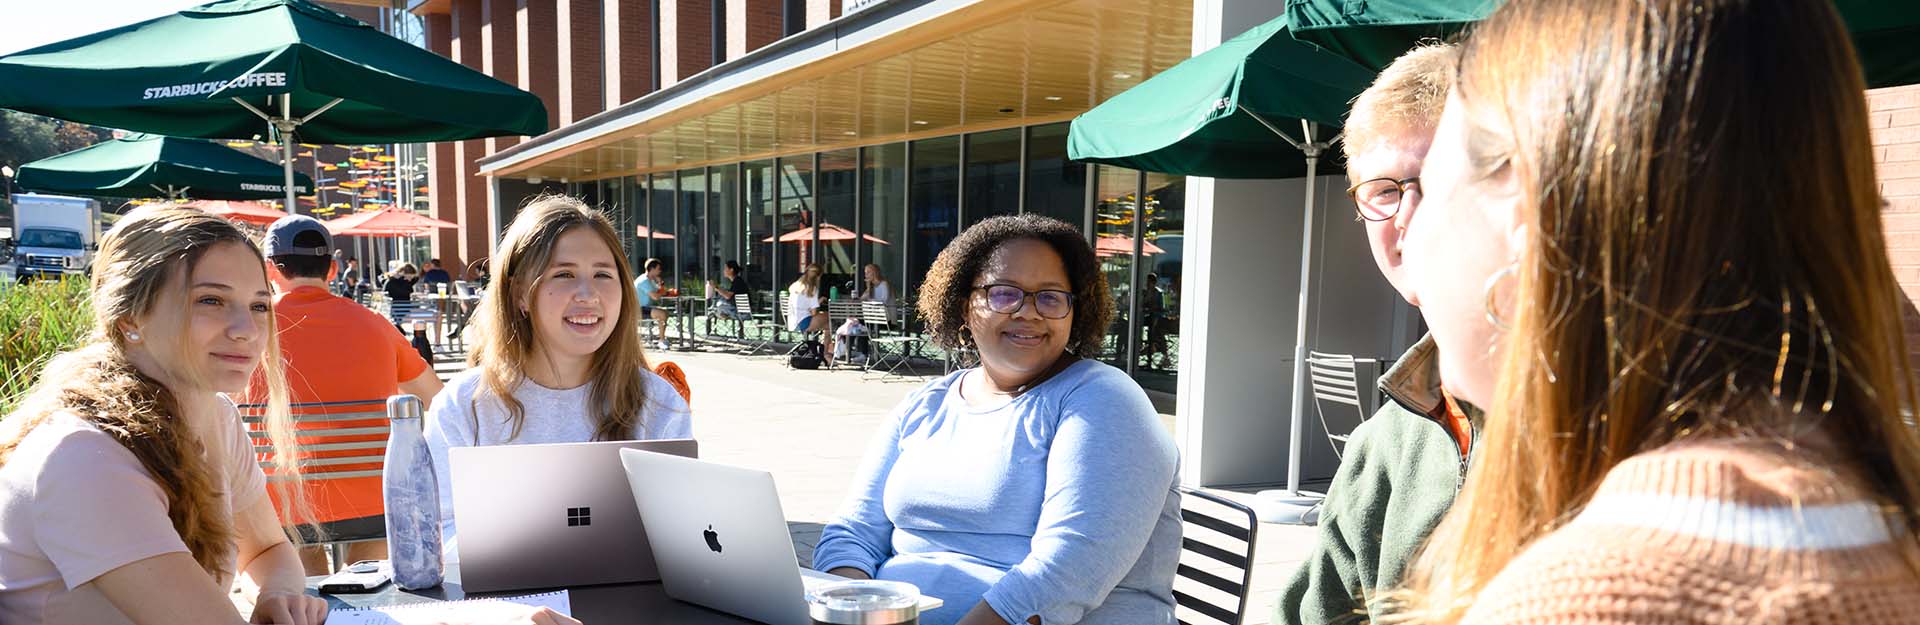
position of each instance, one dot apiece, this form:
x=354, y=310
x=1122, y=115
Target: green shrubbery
x=38, y=320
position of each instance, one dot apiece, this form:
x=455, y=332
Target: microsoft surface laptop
x=549, y=516
x=720, y=539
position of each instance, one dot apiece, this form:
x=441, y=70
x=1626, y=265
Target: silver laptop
x=548, y=516
x=720, y=539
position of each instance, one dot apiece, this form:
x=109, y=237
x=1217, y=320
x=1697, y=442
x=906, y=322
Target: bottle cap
x=404, y=406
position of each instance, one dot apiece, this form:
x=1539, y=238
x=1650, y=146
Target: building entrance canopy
x=891, y=72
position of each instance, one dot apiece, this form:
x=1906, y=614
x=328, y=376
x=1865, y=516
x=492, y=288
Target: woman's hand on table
x=284, y=607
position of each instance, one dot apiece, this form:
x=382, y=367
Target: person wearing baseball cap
x=336, y=351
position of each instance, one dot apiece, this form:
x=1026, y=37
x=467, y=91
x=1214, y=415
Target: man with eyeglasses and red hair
x=1401, y=468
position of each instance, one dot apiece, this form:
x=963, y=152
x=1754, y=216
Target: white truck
x=54, y=235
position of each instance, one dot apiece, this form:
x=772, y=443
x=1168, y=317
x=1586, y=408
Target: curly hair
x=949, y=284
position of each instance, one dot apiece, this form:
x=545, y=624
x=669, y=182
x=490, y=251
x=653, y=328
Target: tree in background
x=25, y=138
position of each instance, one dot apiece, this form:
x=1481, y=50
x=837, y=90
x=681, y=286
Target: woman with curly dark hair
x=1036, y=487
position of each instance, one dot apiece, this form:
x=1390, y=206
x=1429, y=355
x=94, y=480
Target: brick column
x=469, y=49
x=1895, y=116
x=580, y=57
x=691, y=39
x=539, y=67
x=629, y=49
x=500, y=51
x=441, y=161
x=751, y=25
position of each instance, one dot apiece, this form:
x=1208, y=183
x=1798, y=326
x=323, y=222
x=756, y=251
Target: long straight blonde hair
x=1706, y=261
x=505, y=336
x=150, y=254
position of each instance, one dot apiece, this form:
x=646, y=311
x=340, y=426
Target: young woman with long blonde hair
x=1702, y=407
x=556, y=355
x=129, y=490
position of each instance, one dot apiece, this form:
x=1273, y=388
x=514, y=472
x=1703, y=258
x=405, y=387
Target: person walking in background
x=1657, y=258
x=1037, y=487
x=1401, y=467
x=807, y=310
x=556, y=355
x=335, y=350
x=649, y=289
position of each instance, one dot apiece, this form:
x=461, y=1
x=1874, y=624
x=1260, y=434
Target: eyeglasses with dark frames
x=1008, y=299
x=1379, y=199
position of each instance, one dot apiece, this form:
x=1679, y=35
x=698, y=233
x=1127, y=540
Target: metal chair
x=1336, y=380
x=1216, y=558
x=882, y=336
x=330, y=446
x=753, y=321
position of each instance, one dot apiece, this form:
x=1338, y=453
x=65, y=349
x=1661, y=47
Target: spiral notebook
x=468, y=610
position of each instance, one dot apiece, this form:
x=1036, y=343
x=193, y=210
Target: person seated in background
x=435, y=274
x=1037, y=487
x=335, y=350
x=399, y=288
x=807, y=310
x=556, y=354
x=1401, y=467
x=724, y=291
x=648, y=288
x=1653, y=247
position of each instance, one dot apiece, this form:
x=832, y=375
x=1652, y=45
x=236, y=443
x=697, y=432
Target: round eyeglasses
x=1379, y=199
x=1008, y=299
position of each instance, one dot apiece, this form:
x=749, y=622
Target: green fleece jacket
x=1398, y=474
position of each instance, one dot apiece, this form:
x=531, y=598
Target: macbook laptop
x=720, y=539
x=548, y=516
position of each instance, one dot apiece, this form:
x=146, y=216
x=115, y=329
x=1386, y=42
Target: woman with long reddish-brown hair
x=1701, y=411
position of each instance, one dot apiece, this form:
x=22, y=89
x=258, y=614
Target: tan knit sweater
x=1719, y=532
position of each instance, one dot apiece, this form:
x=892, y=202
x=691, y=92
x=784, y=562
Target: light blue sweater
x=1059, y=503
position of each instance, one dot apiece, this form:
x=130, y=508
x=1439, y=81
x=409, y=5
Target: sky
x=29, y=23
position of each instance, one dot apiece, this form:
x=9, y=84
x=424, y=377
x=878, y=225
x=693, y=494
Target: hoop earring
x=1486, y=299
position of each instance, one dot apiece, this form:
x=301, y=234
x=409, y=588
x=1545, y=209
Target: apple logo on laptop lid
x=713, y=539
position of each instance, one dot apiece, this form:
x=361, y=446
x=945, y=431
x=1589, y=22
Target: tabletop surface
x=610, y=604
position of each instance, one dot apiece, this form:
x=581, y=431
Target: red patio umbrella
x=646, y=233
x=386, y=222
x=1117, y=244
x=828, y=232
x=243, y=212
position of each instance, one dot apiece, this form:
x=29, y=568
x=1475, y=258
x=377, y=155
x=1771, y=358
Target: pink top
x=75, y=504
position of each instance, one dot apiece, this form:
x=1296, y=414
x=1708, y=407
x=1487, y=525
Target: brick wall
x=1895, y=116
x=440, y=159
x=580, y=59
x=752, y=24
x=470, y=50
x=693, y=41
x=539, y=65
x=500, y=45
x=629, y=49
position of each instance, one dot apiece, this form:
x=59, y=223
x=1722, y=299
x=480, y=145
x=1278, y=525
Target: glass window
x=838, y=250
x=661, y=224
x=1114, y=212
x=723, y=218
x=993, y=174
x=690, y=236
x=1056, y=187
x=796, y=218
x=1163, y=237
x=883, y=212
x=933, y=203
x=759, y=183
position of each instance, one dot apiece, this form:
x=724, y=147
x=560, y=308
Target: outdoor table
x=609, y=604
x=683, y=311
x=455, y=310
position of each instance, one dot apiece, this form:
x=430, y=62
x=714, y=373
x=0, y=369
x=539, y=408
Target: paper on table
x=470, y=610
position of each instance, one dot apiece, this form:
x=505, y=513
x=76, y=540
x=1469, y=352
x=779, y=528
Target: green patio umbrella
x=240, y=69
x=141, y=166
x=1886, y=33
x=1227, y=113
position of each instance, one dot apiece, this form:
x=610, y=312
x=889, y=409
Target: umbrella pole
x=1300, y=507
x=285, y=125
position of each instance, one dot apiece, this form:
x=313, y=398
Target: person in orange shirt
x=336, y=351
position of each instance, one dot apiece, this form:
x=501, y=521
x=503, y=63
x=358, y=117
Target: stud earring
x=133, y=336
